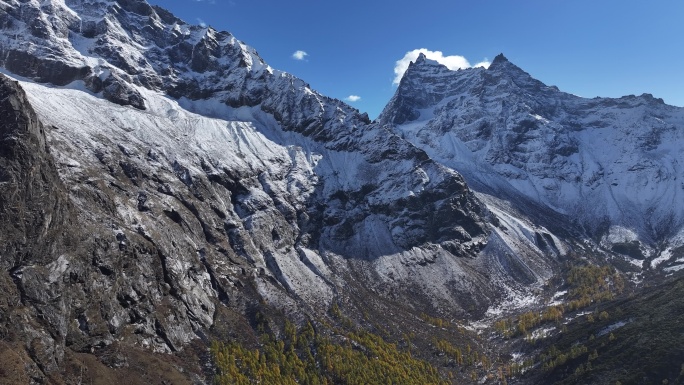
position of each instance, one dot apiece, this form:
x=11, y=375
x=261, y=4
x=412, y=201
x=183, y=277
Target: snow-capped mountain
x=191, y=178
x=159, y=182
x=613, y=166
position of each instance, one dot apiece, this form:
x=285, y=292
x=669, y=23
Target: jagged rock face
x=612, y=165
x=35, y=213
x=72, y=280
x=113, y=45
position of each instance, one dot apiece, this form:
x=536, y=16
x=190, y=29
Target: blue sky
x=588, y=48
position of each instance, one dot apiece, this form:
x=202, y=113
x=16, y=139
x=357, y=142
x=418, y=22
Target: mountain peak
x=423, y=60
x=500, y=58
x=502, y=64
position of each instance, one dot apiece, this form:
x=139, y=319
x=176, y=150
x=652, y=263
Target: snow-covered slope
x=613, y=166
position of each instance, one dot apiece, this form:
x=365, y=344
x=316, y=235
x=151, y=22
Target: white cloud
x=484, y=64
x=352, y=98
x=452, y=62
x=201, y=23
x=299, y=55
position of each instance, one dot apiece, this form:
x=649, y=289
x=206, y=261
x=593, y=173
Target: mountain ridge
x=530, y=125
x=217, y=197
x=274, y=196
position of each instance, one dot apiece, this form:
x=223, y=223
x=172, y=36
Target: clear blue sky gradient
x=585, y=47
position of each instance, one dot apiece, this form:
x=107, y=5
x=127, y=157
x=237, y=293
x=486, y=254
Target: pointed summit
x=500, y=58
x=424, y=60
x=501, y=63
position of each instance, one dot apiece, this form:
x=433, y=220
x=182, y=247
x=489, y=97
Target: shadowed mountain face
x=70, y=282
x=162, y=187
x=36, y=215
